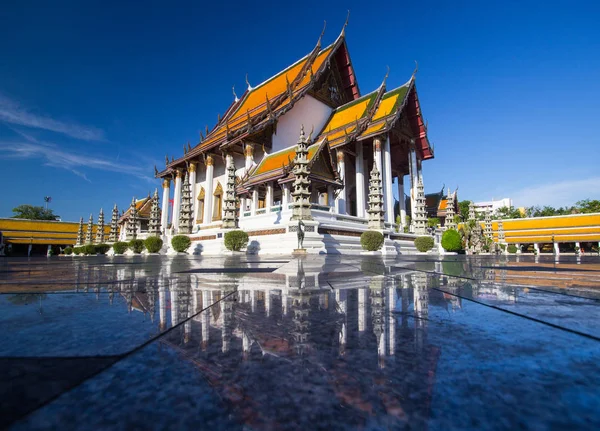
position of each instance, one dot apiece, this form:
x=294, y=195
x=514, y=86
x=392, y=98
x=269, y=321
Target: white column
x=401, y=200
x=363, y=299
x=330, y=196
x=269, y=197
x=192, y=179
x=536, y=247
x=412, y=157
x=556, y=249
x=578, y=247
x=164, y=218
x=387, y=183
x=285, y=198
x=208, y=192
x=268, y=302
x=360, y=181
x=176, y=202
x=340, y=202
x=254, y=205
x=249, y=154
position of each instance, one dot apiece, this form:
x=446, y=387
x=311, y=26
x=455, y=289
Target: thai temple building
x=314, y=103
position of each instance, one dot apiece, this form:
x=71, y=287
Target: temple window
x=218, y=204
x=200, y=216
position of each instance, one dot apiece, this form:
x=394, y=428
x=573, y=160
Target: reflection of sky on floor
x=331, y=342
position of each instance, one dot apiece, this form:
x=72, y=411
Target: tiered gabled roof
x=376, y=113
x=260, y=106
x=144, y=206
x=278, y=166
x=346, y=120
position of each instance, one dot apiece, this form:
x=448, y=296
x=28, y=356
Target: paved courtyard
x=244, y=342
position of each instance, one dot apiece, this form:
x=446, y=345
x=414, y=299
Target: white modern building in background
x=493, y=205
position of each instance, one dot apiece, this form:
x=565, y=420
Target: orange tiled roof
x=275, y=161
x=142, y=205
x=344, y=119
x=254, y=102
x=388, y=108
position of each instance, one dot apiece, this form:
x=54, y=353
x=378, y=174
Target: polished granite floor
x=322, y=342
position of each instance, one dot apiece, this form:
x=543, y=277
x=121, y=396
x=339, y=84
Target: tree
x=508, y=212
x=433, y=221
x=587, y=206
x=34, y=213
x=463, y=208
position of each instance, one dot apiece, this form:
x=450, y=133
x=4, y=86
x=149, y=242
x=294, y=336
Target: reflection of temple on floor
x=290, y=333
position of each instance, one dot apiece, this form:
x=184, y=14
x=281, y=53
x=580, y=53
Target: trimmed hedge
x=68, y=250
x=512, y=248
x=371, y=240
x=180, y=243
x=424, y=243
x=137, y=245
x=89, y=249
x=451, y=240
x=120, y=247
x=153, y=244
x=77, y=250
x=236, y=240
x=102, y=248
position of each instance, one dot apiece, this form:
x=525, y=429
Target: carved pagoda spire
x=185, y=210
x=154, y=223
x=420, y=216
x=375, y=210
x=472, y=215
x=100, y=228
x=80, y=233
x=89, y=239
x=113, y=236
x=131, y=227
x=230, y=220
x=488, y=224
x=449, y=222
x=301, y=186
x=501, y=237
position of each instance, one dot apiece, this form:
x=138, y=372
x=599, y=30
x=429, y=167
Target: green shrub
x=153, y=244
x=180, y=243
x=503, y=247
x=120, y=247
x=102, y=248
x=424, y=243
x=512, y=248
x=76, y=250
x=68, y=250
x=451, y=240
x=371, y=240
x=89, y=249
x=137, y=245
x=236, y=240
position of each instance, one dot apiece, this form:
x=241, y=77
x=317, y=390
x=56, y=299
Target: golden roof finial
x=218, y=118
x=248, y=83
x=201, y=136
x=289, y=88
x=416, y=69
x=312, y=129
x=345, y=24
x=269, y=110
x=386, y=76
x=234, y=95
x=206, y=130
x=322, y=33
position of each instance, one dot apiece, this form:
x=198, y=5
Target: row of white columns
x=383, y=160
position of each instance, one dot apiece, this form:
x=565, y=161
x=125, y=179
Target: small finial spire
x=302, y=135
x=346, y=23
x=386, y=76
x=322, y=33
x=248, y=83
x=416, y=69
x=234, y=95
x=155, y=171
x=207, y=130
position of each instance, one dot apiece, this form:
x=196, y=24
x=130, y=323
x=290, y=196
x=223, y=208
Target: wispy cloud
x=557, y=194
x=13, y=113
x=54, y=156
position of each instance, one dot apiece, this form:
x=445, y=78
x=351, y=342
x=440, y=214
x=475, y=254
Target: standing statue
x=300, y=234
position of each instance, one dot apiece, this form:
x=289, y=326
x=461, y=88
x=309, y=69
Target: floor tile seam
x=515, y=285
x=523, y=316
x=118, y=358
x=543, y=322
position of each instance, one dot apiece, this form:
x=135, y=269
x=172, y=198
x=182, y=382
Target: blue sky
x=93, y=94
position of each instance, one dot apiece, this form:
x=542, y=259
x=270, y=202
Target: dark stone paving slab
x=336, y=343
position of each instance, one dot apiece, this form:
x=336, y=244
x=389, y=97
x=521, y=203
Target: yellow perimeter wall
x=23, y=231
x=567, y=228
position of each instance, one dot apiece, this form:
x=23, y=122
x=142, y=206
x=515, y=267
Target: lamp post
x=47, y=199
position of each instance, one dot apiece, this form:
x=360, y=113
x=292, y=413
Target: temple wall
x=308, y=112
